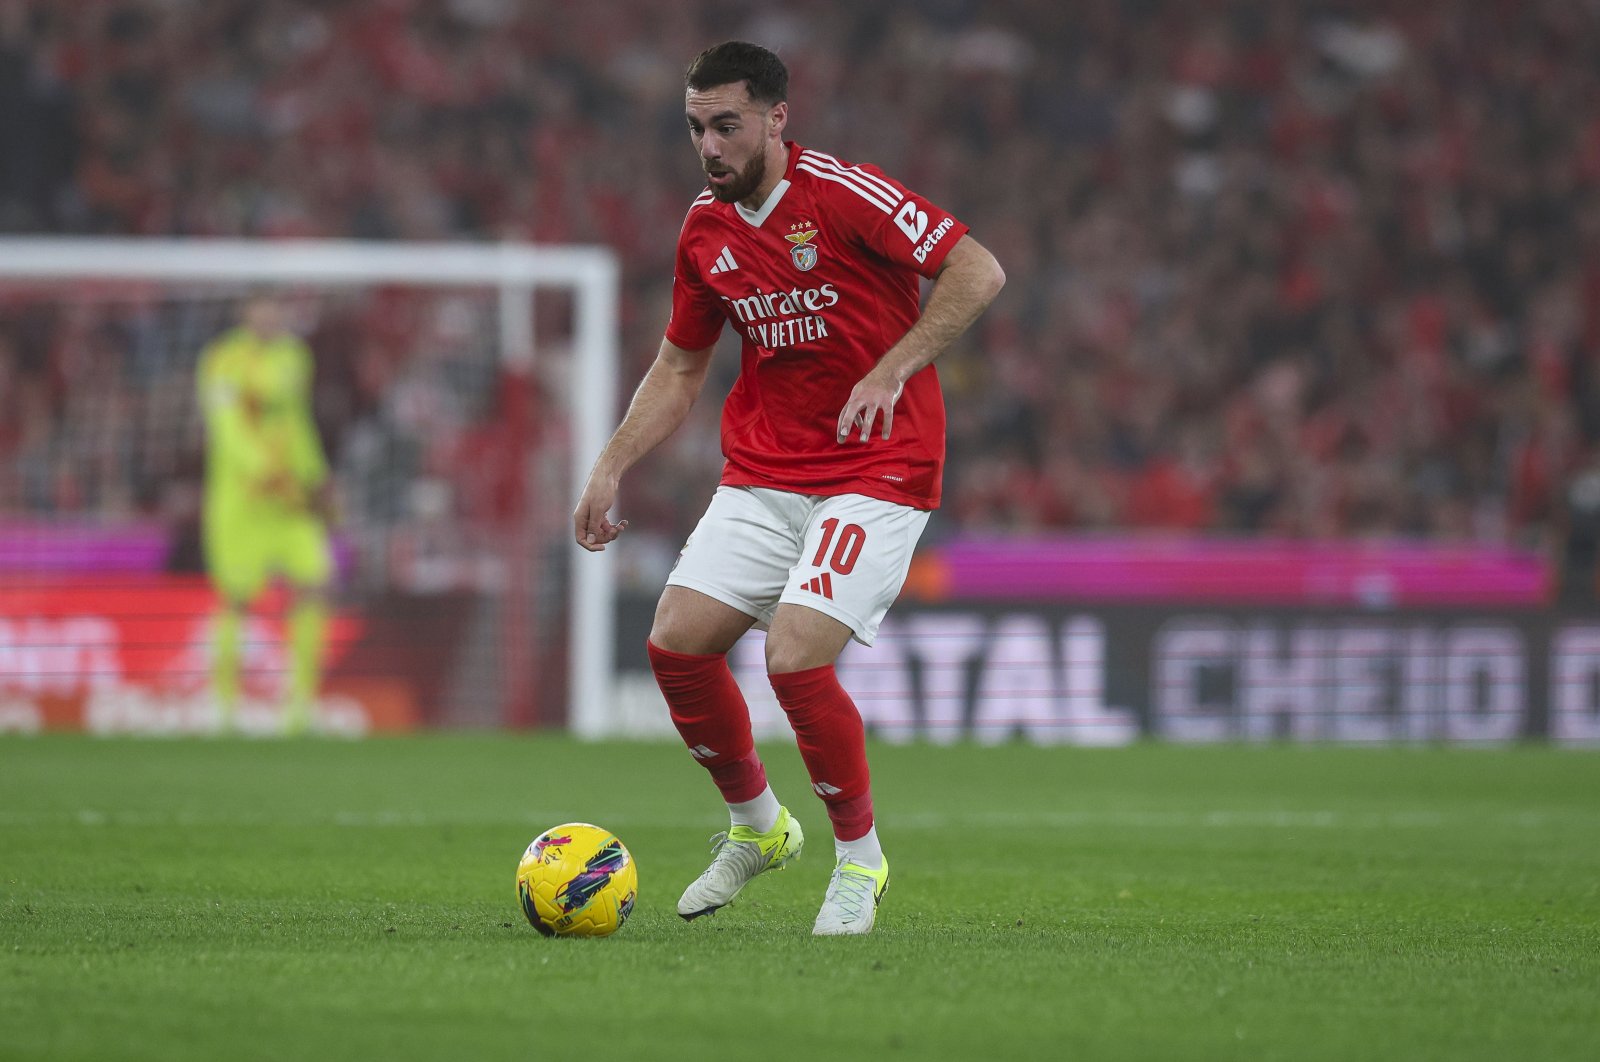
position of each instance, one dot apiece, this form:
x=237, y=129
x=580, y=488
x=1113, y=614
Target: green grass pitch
x=267, y=900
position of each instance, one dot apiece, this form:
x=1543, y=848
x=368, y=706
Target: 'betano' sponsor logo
x=922, y=250
x=769, y=305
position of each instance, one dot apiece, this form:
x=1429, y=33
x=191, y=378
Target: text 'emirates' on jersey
x=820, y=282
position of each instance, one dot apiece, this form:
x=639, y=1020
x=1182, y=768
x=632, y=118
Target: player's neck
x=777, y=168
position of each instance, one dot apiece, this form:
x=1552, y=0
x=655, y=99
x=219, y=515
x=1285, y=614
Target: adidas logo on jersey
x=822, y=584
x=725, y=262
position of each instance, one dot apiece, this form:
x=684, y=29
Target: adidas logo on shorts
x=822, y=584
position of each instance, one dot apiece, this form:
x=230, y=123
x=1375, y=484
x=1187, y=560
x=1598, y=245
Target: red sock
x=710, y=713
x=833, y=742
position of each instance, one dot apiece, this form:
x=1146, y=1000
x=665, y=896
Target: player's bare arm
x=659, y=406
x=967, y=282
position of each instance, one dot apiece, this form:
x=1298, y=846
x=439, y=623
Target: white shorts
x=844, y=555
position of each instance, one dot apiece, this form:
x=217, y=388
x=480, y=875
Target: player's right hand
x=589, y=523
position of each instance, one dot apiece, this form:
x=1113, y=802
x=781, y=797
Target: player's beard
x=747, y=181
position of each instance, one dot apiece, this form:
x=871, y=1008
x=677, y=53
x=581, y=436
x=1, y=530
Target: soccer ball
x=577, y=880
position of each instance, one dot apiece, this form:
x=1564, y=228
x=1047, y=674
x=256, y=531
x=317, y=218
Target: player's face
x=733, y=135
x=264, y=316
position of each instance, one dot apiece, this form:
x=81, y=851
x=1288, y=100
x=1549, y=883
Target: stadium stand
x=1313, y=270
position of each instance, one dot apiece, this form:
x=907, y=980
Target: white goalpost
x=505, y=275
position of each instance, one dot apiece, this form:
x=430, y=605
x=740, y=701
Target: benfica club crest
x=803, y=253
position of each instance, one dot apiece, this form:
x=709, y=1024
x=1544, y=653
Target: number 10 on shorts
x=845, y=552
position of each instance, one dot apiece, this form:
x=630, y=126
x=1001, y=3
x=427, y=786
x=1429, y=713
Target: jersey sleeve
x=886, y=217
x=697, y=316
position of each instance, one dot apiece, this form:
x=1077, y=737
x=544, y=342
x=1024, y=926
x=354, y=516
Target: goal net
x=460, y=391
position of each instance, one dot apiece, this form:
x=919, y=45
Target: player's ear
x=778, y=117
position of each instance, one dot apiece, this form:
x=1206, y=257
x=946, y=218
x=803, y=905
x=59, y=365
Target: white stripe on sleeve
x=854, y=171
x=859, y=189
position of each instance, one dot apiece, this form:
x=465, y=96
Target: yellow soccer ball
x=577, y=880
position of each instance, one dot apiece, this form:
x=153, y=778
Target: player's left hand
x=876, y=393
x=590, y=525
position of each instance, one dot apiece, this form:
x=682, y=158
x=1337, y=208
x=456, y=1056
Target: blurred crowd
x=1304, y=269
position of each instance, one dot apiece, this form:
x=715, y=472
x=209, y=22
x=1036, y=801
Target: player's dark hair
x=763, y=73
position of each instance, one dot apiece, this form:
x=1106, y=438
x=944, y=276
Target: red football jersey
x=820, y=282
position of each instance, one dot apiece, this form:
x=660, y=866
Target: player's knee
x=695, y=624
x=675, y=631
x=664, y=637
x=787, y=654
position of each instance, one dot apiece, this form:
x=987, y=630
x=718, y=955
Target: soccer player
x=265, y=498
x=834, y=443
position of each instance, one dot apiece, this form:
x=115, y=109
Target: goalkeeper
x=266, y=499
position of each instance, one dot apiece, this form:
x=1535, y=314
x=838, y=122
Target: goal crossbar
x=310, y=261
